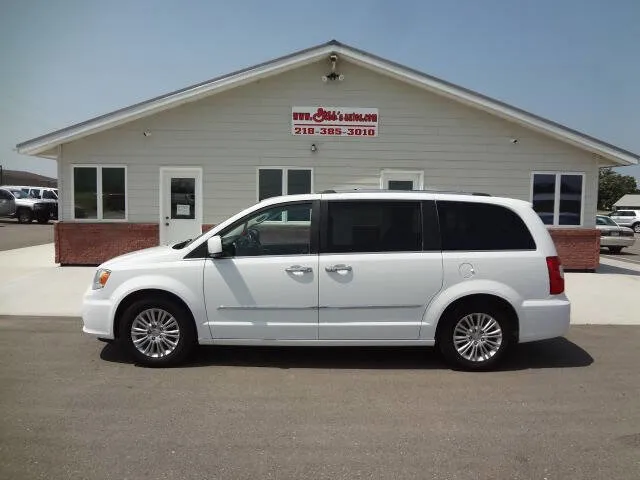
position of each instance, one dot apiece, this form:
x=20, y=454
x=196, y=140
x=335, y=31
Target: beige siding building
x=162, y=170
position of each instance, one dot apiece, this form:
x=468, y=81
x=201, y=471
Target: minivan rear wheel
x=475, y=337
x=157, y=332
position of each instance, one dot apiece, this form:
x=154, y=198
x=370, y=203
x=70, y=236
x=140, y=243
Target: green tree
x=612, y=186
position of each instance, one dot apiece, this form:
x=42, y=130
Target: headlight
x=100, y=278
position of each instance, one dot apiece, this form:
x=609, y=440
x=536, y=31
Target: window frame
x=387, y=174
x=423, y=204
x=99, y=209
x=314, y=240
x=556, y=196
x=285, y=178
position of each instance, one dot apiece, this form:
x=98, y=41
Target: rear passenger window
x=373, y=226
x=479, y=226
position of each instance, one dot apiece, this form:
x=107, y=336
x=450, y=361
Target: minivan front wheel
x=475, y=337
x=157, y=332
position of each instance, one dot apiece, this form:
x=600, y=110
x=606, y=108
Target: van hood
x=158, y=254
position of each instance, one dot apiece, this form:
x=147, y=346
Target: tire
x=24, y=215
x=615, y=249
x=636, y=227
x=43, y=219
x=146, y=312
x=463, y=319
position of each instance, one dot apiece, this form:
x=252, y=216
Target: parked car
x=27, y=208
x=612, y=235
x=627, y=218
x=472, y=275
x=7, y=203
x=45, y=193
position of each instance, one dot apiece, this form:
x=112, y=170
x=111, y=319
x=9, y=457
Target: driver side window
x=279, y=230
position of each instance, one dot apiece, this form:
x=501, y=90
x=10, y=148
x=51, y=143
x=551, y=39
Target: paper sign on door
x=183, y=210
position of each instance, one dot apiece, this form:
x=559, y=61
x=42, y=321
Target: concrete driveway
x=74, y=408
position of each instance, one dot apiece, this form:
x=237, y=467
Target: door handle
x=298, y=270
x=340, y=268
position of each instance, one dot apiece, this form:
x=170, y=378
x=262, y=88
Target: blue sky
x=63, y=61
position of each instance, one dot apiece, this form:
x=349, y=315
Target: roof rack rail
x=386, y=190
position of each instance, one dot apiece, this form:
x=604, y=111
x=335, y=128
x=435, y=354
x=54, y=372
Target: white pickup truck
x=15, y=203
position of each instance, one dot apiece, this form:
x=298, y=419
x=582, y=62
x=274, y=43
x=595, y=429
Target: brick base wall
x=578, y=248
x=94, y=243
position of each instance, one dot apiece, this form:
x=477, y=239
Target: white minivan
x=471, y=274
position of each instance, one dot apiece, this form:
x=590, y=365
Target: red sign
x=334, y=121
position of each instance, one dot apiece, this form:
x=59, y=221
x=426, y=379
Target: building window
x=99, y=192
x=273, y=182
x=558, y=197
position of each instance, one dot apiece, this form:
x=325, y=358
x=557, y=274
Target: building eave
x=43, y=145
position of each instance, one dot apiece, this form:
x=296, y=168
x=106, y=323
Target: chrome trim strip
x=356, y=307
x=264, y=307
x=370, y=324
x=323, y=307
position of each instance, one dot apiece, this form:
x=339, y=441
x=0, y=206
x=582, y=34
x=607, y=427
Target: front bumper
x=544, y=319
x=97, y=316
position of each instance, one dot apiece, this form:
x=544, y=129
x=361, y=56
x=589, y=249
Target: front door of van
x=266, y=285
x=377, y=273
x=180, y=204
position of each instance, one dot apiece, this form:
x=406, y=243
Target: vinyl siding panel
x=233, y=133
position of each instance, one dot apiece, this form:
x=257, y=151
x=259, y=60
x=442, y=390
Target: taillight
x=556, y=276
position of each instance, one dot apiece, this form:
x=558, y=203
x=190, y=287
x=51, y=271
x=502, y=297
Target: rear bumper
x=96, y=316
x=617, y=241
x=544, y=319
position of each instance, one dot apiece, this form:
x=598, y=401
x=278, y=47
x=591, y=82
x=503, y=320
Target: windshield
x=605, y=221
x=19, y=194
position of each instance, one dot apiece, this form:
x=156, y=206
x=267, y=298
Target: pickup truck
x=14, y=203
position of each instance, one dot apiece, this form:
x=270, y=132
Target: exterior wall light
x=314, y=147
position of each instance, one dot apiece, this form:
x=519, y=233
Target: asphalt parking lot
x=17, y=235
x=76, y=408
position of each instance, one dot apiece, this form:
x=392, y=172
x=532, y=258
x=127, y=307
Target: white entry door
x=180, y=204
x=401, y=179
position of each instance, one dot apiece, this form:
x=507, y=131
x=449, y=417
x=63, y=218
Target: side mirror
x=214, y=246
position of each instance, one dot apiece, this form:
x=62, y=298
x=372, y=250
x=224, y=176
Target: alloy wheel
x=477, y=337
x=155, y=333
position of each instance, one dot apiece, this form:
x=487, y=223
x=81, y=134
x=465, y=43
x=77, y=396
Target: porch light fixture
x=314, y=147
x=333, y=75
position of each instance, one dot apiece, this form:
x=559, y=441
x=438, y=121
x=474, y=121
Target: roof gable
x=44, y=144
x=628, y=199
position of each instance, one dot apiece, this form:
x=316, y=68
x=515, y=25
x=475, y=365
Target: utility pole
x=1, y=176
